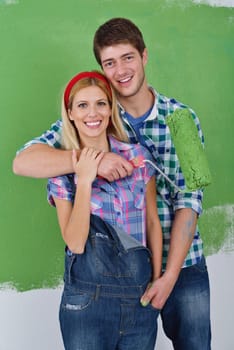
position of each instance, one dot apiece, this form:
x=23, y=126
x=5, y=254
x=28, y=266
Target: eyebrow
x=122, y=56
x=100, y=99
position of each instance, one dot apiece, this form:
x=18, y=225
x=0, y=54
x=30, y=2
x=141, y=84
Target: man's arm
x=43, y=157
x=187, y=208
x=42, y=161
x=182, y=233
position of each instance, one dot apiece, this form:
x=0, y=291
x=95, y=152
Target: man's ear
x=145, y=56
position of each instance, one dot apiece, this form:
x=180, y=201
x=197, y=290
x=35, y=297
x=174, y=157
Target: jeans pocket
x=152, y=308
x=200, y=266
x=75, y=301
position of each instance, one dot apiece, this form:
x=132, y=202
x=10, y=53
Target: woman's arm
x=154, y=230
x=74, y=221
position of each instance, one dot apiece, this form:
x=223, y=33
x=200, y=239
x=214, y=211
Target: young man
x=182, y=292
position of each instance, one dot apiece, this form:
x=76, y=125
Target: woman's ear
x=69, y=112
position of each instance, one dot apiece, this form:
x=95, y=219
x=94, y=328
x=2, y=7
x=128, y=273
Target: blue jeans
x=100, y=307
x=186, y=314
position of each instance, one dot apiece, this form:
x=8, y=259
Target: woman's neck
x=97, y=143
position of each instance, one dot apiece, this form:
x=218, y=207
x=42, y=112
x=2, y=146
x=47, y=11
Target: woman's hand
x=87, y=165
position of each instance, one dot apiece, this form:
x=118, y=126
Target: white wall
x=29, y=320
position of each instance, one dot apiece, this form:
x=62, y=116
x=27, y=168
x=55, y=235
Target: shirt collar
x=154, y=112
x=118, y=146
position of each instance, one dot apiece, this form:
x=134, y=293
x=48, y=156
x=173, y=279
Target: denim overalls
x=100, y=307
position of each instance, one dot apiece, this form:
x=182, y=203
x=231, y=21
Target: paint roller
x=189, y=150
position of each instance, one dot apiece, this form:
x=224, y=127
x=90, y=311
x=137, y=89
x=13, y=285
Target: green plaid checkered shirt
x=156, y=137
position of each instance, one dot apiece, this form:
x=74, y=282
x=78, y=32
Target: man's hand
x=114, y=167
x=158, y=292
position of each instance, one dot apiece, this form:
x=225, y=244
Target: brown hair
x=117, y=31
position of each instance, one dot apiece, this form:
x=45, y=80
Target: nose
x=120, y=68
x=92, y=111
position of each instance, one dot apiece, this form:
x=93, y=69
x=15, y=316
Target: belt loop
x=97, y=292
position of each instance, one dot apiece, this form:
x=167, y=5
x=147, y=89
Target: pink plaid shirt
x=121, y=202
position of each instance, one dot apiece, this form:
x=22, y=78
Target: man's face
x=124, y=68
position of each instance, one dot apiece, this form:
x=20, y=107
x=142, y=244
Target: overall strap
x=100, y=227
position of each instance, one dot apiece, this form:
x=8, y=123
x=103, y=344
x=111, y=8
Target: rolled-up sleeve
x=51, y=137
x=191, y=200
x=61, y=187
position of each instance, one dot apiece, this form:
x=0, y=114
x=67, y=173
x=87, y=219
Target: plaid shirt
x=121, y=202
x=156, y=137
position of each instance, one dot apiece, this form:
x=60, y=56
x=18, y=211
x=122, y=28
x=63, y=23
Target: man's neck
x=138, y=104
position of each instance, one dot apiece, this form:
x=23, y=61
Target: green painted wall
x=43, y=43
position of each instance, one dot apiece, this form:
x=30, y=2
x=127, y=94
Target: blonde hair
x=70, y=134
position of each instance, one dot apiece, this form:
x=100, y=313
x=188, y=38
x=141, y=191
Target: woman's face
x=91, y=113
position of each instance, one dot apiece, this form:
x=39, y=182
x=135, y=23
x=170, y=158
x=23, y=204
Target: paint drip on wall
x=9, y=2
x=217, y=229
x=217, y=3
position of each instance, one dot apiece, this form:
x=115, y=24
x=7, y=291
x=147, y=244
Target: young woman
x=111, y=229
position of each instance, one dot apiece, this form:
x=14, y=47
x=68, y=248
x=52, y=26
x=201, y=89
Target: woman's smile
x=91, y=113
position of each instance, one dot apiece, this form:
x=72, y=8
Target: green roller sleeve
x=189, y=149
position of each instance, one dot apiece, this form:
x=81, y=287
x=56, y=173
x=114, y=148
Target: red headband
x=81, y=76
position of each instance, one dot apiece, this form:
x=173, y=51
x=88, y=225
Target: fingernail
x=144, y=302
